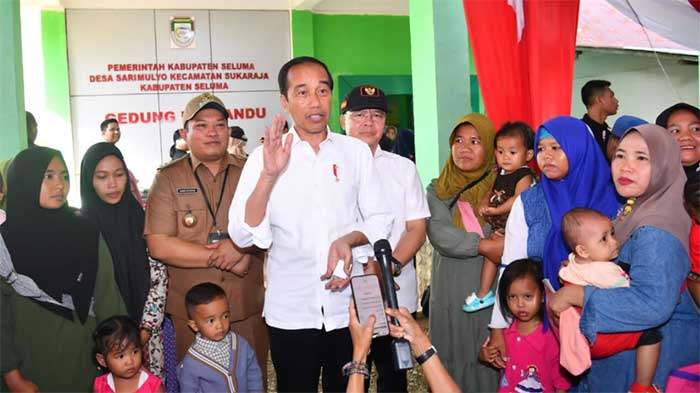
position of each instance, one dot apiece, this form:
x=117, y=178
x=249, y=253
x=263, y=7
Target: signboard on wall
x=144, y=75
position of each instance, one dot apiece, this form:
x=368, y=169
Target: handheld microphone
x=400, y=348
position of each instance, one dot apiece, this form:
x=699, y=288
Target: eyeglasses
x=373, y=114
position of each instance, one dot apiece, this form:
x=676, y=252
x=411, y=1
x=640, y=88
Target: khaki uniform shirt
x=174, y=194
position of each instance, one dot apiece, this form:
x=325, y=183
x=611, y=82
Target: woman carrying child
x=653, y=229
x=591, y=237
x=514, y=149
x=61, y=285
x=466, y=177
x=574, y=174
x=119, y=218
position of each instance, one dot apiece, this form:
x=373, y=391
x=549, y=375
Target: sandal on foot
x=474, y=303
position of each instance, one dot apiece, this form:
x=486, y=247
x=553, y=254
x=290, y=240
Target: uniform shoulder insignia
x=172, y=162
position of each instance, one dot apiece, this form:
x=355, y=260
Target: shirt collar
x=142, y=379
x=603, y=125
x=378, y=152
x=223, y=343
x=218, y=351
x=535, y=339
x=229, y=160
x=330, y=136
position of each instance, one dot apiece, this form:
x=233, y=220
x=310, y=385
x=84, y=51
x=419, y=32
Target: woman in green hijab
x=458, y=252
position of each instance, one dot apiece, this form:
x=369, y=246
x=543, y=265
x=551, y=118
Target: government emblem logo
x=182, y=32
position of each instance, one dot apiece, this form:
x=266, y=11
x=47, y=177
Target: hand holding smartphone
x=369, y=301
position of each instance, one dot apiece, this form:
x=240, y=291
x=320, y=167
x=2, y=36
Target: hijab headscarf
x=121, y=226
x=625, y=122
x=692, y=171
x=661, y=206
x=662, y=119
x=54, y=247
x=588, y=183
x=452, y=179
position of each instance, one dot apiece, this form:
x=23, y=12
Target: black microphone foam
x=400, y=348
x=382, y=252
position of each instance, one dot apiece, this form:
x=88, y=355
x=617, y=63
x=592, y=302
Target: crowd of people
x=576, y=247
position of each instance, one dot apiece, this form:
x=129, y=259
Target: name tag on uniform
x=187, y=190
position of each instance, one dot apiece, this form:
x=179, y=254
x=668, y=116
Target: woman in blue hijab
x=574, y=174
x=587, y=182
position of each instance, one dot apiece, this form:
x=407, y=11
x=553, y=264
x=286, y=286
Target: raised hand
x=275, y=153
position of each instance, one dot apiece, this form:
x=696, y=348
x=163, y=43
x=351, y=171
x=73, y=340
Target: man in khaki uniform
x=186, y=224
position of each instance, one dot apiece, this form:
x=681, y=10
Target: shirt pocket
x=343, y=191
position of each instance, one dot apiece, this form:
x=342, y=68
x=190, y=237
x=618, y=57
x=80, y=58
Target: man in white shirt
x=309, y=200
x=364, y=117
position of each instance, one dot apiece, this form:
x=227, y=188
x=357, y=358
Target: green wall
x=353, y=45
x=53, y=42
x=13, y=133
x=441, y=79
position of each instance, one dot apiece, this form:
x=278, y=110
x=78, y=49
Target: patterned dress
x=153, y=313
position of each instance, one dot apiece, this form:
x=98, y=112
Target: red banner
x=530, y=77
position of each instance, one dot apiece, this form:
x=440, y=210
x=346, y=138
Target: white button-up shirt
x=318, y=198
x=514, y=248
x=406, y=196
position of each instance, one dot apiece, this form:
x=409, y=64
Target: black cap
x=364, y=97
x=237, y=133
x=662, y=119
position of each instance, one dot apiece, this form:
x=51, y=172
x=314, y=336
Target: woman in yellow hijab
x=467, y=176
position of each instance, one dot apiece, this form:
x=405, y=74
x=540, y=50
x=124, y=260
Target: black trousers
x=300, y=355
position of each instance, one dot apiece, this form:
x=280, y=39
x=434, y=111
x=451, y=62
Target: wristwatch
x=397, y=266
x=426, y=355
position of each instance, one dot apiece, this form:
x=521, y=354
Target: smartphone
x=368, y=301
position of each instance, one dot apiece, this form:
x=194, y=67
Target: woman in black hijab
x=683, y=122
x=46, y=332
x=120, y=218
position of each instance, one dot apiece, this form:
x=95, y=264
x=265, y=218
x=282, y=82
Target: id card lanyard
x=206, y=199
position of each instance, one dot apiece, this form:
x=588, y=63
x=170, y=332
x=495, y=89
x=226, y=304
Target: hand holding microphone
x=400, y=348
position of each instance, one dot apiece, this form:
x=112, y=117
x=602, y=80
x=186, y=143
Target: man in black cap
x=364, y=117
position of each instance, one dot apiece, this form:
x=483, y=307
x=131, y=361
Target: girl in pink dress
x=118, y=349
x=532, y=365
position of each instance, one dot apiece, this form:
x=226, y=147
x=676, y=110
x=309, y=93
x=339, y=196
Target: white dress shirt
x=514, y=248
x=318, y=198
x=404, y=191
